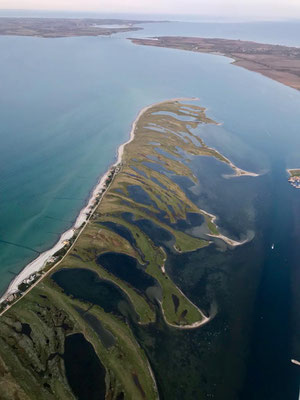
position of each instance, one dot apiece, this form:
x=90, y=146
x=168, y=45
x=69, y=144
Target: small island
x=294, y=178
x=280, y=63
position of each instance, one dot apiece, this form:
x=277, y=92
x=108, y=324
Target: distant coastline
x=66, y=27
x=280, y=63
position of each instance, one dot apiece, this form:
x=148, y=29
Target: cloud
x=228, y=8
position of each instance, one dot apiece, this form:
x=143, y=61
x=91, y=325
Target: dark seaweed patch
x=84, y=370
x=157, y=234
x=138, y=384
x=125, y=233
x=175, y=302
x=105, y=335
x=120, y=230
x=183, y=315
x=26, y=330
x=192, y=220
x=137, y=193
x=87, y=286
x=126, y=268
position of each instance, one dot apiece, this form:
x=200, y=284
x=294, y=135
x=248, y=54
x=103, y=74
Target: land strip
x=41, y=262
x=280, y=63
x=65, y=27
x=294, y=172
x=111, y=199
x=84, y=291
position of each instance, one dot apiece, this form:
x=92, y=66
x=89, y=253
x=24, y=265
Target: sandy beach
x=230, y=242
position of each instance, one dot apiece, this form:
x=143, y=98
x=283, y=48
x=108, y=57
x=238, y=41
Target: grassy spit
x=143, y=189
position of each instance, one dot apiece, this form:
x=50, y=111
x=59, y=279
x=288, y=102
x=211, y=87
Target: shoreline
x=97, y=193
x=194, y=325
x=39, y=263
x=275, y=62
x=230, y=242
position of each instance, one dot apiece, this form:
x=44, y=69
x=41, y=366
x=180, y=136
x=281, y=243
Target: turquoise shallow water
x=67, y=104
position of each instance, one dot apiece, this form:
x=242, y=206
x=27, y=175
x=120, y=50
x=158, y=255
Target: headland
x=113, y=272
x=280, y=63
x=66, y=27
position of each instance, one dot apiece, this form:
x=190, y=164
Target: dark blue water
x=84, y=370
x=85, y=285
x=271, y=375
x=127, y=269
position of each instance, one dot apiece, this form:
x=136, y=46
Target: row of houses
x=295, y=181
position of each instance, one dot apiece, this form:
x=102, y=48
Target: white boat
x=272, y=247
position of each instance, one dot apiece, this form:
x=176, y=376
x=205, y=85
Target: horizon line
x=195, y=18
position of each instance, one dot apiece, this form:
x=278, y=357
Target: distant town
x=294, y=178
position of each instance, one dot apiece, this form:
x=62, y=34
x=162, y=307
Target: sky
x=260, y=9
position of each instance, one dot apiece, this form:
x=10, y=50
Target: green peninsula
x=65, y=27
x=281, y=63
x=114, y=275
